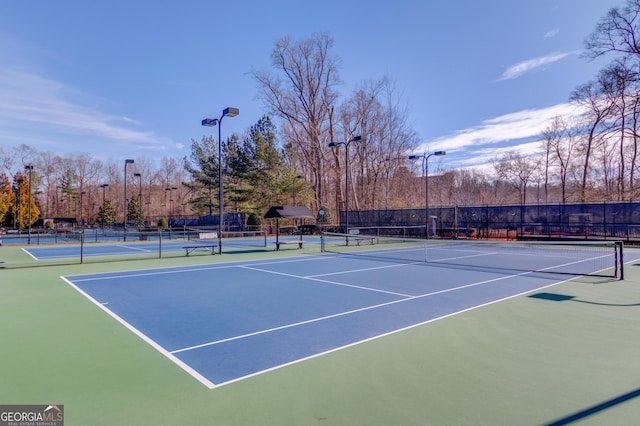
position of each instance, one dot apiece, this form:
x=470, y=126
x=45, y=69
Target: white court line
x=444, y=260
x=210, y=385
x=447, y=290
x=181, y=269
x=133, y=248
x=29, y=253
x=145, y=338
x=396, y=265
x=216, y=342
x=310, y=278
x=152, y=272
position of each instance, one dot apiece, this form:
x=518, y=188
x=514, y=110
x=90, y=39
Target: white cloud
x=480, y=144
x=508, y=127
x=551, y=33
x=30, y=103
x=530, y=65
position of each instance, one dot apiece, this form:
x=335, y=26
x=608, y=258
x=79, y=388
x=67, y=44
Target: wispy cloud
x=485, y=156
x=551, y=33
x=497, y=135
x=530, y=65
x=31, y=103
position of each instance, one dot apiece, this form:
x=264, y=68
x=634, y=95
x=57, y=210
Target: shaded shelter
x=287, y=212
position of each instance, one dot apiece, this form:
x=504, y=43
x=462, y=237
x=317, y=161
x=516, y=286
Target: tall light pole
x=126, y=162
x=346, y=144
x=104, y=199
x=139, y=176
x=210, y=122
x=170, y=189
x=29, y=169
x=81, y=210
x=17, y=206
x=294, y=188
x=103, y=186
x=426, y=184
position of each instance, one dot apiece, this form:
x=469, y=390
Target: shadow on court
x=564, y=298
x=596, y=408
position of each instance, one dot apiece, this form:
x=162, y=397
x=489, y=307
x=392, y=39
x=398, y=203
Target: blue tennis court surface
x=225, y=322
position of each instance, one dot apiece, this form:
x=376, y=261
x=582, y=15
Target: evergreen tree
x=203, y=168
x=134, y=213
x=107, y=213
x=68, y=184
x=255, y=167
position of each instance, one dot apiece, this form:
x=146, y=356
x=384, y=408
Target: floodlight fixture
x=210, y=122
x=426, y=157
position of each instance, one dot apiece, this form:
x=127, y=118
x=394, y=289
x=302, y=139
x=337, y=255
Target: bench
x=278, y=243
x=209, y=247
x=360, y=238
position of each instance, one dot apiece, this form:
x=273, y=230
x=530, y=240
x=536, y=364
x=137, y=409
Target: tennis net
x=232, y=239
x=592, y=258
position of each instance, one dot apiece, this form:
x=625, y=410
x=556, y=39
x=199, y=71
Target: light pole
x=104, y=199
x=210, y=122
x=17, y=206
x=139, y=176
x=294, y=187
x=29, y=169
x=125, y=197
x=103, y=186
x=346, y=144
x=170, y=189
x=426, y=184
x=81, y=210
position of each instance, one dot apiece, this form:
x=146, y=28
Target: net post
x=620, y=258
x=322, y=237
x=82, y=246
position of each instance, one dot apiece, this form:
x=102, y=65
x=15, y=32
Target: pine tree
x=107, y=214
x=134, y=213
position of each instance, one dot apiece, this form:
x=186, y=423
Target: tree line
x=589, y=156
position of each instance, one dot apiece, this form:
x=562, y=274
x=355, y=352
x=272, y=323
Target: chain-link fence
x=589, y=220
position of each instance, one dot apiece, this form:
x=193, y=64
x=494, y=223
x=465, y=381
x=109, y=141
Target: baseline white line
x=181, y=269
x=153, y=272
x=29, y=253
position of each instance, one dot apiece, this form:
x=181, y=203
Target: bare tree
x=6, y=161
x=302, y=93
x=373, y=111
x=517, y=170
x=599, y=108
x=616, y=33
x=549, y=136
x=48, y=166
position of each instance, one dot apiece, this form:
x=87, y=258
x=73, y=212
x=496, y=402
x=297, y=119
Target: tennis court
x=125, y=248
x=301, y=337
x=225, y=322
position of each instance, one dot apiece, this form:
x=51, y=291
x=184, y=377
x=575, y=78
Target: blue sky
x=130, y=79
